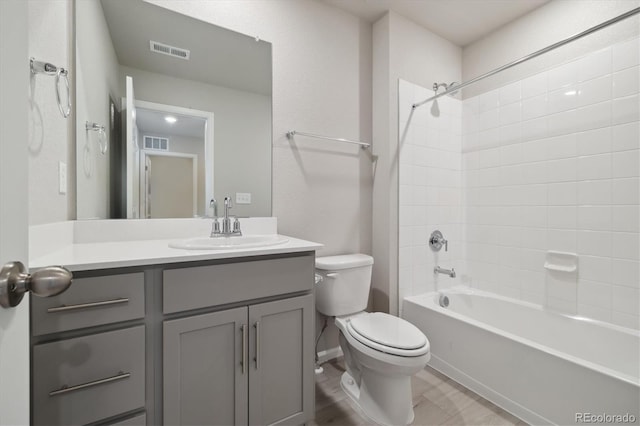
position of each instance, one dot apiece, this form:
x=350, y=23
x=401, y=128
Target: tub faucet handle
x=436, y=241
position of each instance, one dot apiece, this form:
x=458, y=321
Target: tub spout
x=451, y=272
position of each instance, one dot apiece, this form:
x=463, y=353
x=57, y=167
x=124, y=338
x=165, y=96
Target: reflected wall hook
x=102, y=135
x=39, y=67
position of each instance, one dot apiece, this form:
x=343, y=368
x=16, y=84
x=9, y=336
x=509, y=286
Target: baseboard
x=329, y=354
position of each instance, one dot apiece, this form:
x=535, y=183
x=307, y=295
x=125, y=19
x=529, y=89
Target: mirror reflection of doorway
x=170, y=185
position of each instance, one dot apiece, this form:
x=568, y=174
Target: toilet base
x=382, y=405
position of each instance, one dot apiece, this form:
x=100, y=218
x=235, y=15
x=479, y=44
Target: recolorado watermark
x=605, y=418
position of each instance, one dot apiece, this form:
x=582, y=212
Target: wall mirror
x=171, y=112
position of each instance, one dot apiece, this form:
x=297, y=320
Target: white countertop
x=106, y=255
x=105, y=244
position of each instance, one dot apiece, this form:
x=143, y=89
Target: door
x=281, y=379
x=205, y=375
x=14, y=322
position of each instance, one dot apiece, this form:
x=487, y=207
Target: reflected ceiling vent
x=165, y=49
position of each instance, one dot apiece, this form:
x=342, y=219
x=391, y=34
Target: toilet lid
x=387, y=330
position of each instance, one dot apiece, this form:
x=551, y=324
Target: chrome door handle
x=46, y=282
x=66, y=389
x=64, y=308
x=244, y=348
x=257, y=327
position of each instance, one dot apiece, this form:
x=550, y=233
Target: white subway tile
x=488, y=138
x=561, y=287
x=564, y=122
x=567, y=307
x=533, y=173
x=562, y=99
x=489, y=158
x=562, y=217
x=488, y=120
x=510, y=134
x=626, y=136
x=561, y=194
x=593, y=116
x=626, y=164
x=509, y=114
x=596, y=192
x=594, y=218
x=562, y=170
x=626, y=299
x=533, y=259
x=626, y=54
x=594, y=167
x=594, y=91
x=596, y=141
x=561, y=240
x=534, y=107
x=626, y=82
x=487, y=101
x=535, y=150
x=561, y=146
x=625, y=218
x=594, y=243
x=563, y=75
x=626, y=191
x=511, y=154
x=534, y=85
x=625, y=110
x=625, y=245
x=594, y=268
x=531, y=195
x=533, y=216
x=594, y=65
x=625, y=320
x=534, y=129
x=625, y=272
x=595, y=294
x=509, y=93
x=532, y=238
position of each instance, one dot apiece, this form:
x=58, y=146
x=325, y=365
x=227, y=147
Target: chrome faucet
x=227, y=229
x=451, y=272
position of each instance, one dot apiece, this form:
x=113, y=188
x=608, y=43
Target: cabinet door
x=205, y=375
x=281, y=387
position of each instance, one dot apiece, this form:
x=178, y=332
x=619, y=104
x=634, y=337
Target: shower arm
x=535, y=54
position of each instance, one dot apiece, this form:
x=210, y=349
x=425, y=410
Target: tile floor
x=437, y=400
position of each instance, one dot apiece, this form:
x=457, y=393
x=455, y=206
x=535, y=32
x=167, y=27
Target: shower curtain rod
x=598, y=27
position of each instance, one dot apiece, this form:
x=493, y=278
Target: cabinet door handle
x=65, y=308
x=244, y=349
x=257, y=326
x=67, y=389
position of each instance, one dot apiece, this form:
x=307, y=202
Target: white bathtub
x=543, y=367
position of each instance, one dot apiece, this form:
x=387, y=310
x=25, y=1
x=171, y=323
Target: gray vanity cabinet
x=249, y=365
x=203, y=369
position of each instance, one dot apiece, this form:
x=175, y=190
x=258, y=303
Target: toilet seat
x=389, y=334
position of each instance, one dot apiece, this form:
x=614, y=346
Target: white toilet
x=381, y=351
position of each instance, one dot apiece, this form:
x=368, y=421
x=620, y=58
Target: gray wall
x=242, y=128
x=96, y=74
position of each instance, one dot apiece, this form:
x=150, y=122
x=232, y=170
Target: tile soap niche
x=560, y=261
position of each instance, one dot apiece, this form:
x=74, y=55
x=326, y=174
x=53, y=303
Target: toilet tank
x=345, y=284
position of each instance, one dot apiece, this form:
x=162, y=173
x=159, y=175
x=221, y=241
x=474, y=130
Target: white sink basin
x=225, y=243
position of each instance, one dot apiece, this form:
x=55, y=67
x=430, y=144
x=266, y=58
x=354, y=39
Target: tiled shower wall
x=430, y=189
x=551, y=162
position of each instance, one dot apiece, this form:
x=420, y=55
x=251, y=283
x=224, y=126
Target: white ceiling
x=459, y=21
x=218, y=56
x=153, y=123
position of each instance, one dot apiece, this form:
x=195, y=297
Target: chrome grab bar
x=64, y=308
x=66, y=389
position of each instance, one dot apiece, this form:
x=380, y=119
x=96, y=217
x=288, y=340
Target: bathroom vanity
x=186, y=337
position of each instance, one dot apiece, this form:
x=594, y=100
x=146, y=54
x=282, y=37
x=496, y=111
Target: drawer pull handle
x=244, y=349
x=257, y=327
x=66, y=389
x=65, y=308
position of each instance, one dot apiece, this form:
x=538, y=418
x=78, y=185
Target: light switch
x=243, y=198
x=62, y=177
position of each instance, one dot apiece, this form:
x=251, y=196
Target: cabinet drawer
x=89, y=302
x=83, y=380
x=139, y=420
x=192, y=288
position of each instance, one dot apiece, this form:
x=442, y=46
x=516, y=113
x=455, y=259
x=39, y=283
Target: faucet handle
x=437, y=240
x=236, y=226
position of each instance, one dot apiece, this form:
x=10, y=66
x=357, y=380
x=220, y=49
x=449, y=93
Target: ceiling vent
x=165, y=49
